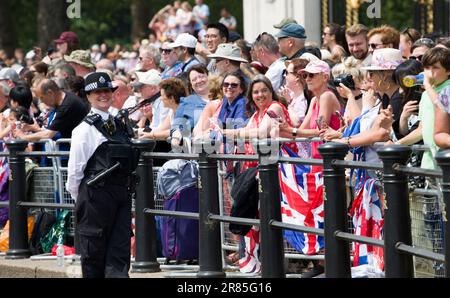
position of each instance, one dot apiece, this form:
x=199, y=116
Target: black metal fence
x=397, y=243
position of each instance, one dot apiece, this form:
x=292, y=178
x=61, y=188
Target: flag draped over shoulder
x=301, y=203
x=367, y=215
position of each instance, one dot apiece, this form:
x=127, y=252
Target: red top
x=255, y=121
x=334, y=123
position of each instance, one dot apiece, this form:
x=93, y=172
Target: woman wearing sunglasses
x=295, y=91
x=230, y=112
x=264, y=107
x=376, y=118
x=323, y=107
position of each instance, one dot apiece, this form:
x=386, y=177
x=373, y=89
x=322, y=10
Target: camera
x=26, y=119
x=345, y=79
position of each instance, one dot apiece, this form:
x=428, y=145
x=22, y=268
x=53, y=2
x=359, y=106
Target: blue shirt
x=188, y=113
x=172, y=72
x=232, y=115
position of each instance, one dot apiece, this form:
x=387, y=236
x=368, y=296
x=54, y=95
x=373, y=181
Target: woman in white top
x=294, y=91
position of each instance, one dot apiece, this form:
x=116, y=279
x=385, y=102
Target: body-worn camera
x=345, y=79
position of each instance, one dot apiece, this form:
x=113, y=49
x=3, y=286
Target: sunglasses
x=261, y=35
x=406, y=31
x=306, y=75
x=419, y=58
x=230, y=85
x=425, y=41
x=375, y=46
x=165, y=51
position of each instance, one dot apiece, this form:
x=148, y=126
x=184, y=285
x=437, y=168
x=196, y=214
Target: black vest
x=118, y=148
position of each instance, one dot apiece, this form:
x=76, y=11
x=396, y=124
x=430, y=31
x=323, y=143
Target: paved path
x=27, y=268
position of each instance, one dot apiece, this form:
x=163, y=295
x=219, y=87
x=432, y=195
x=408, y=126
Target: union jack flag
x=301, y=203
x=367, y=214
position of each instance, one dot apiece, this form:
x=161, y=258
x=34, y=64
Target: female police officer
x=103, y=208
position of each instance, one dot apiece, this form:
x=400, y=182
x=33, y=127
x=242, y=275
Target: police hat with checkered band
x=98, y=81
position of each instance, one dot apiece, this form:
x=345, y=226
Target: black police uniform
x=103, y=210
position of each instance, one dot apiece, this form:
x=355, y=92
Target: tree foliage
x=118, y=21
x=397, y=13
x=110, y=21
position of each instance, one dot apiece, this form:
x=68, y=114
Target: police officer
x=103, y=209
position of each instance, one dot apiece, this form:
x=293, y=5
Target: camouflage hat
x=81, y=57
x=285, y=21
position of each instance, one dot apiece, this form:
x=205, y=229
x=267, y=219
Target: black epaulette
x=91, y=119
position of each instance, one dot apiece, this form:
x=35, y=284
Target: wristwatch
x=294, y=132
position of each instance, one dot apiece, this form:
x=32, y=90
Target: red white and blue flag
x=301, y=203
x=367, y=215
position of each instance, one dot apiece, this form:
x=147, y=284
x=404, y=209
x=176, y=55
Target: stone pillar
x=261, y=15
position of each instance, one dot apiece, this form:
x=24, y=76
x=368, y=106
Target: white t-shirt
x=229, y=22
x=298, y=109
x=275, y=73
x=159, y=113
x=201, y=10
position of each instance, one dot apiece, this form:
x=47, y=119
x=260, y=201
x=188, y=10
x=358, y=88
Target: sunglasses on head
x=230, y=85
x=424, y=41
x=306, y=75
x=261, y=35
x=406, y=31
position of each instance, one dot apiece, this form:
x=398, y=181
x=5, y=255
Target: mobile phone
x=319, y=122
x=272, y=115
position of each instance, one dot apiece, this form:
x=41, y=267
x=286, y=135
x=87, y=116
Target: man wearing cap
x=228, y=59
x=103, y=209
x=68, y=110
x=172, y=64
x=9, y=76
x=147, y=84
x=291, y=39
x=80, y=60
x=184, y=47
x=66, y=43
x=285, y=21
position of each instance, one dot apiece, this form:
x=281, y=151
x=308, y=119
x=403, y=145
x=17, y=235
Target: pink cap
x=317, y=66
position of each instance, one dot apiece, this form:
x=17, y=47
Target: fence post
x=443, y=160
x=337, y=252
x=18, y=229
x=145, y=227
x=210, y=246
x=397, y=220
x=272, y=245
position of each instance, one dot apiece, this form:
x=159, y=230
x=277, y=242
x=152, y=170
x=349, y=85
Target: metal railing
x=397, y=243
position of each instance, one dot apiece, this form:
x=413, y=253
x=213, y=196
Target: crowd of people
x=359, y=87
